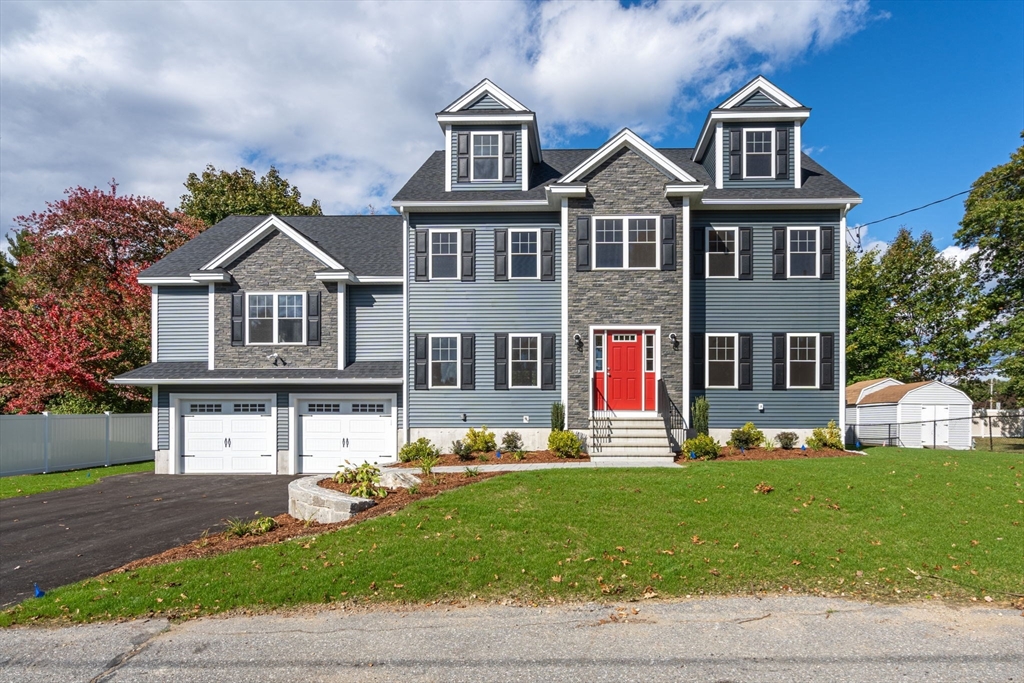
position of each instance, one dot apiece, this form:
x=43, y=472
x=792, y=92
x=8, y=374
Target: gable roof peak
x=485, y=87
x=769, y=89
x=627, y=138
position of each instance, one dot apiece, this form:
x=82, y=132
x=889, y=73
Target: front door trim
x=639, y=329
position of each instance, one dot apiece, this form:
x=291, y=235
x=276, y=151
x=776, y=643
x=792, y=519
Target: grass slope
x=839, y=526
x=28, y=484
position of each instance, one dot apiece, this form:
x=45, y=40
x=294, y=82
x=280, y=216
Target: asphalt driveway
x=64, y=536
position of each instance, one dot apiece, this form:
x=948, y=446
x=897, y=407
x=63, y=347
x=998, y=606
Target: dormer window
x=486, y=156
x=758, y=153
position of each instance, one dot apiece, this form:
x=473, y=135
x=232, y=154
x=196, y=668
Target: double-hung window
x=444, y=254
x=626, y=242
x=276, y=319
x=524, y=356
x=444, y=361
x=525, y=254
x=721, y=363
x=722, y=252
x=486, y=157
x=758, y=153
x=802, y=368
x=803, y=252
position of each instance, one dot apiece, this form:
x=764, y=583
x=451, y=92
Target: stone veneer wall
x=276, y=264
x=626, y=184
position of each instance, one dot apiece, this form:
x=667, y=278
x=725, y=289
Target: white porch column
x=687, y=293
x=342, y=314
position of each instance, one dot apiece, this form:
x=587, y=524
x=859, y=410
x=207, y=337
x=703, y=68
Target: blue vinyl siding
x=373, y=325
x=763, y=306
x=710, y=162
x=484, y=307
x=182, y=323
x=282, y=420
x=486, y=102
x=755, y=182
x=468, y=186
x=758, y=99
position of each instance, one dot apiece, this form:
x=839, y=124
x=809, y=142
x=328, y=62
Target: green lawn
x=27, y=484
x=999, y=444
x=850, y=526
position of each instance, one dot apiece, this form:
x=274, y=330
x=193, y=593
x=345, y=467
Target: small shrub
x=565, y=444
x=417, y=449
x=700, y=415
x=462, y=450
x=828, y=437
x=703, y=446
x=483, y=457
x=557, y=416
x=365, y=480
x=768, y=444
x=471, y=472
x=250, y=527
x=481, y=440
x=414, y=489
x=746, y=436
x=787, y=440
x=427, y=464
x=511, y=442
x=519, y=455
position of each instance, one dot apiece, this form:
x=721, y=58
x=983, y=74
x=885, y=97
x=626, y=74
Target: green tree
x=871, y=332
x=215, y=195
x=994, y=223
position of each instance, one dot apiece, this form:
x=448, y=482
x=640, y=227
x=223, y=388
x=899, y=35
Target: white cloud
x=958, y=254
x=340, y=95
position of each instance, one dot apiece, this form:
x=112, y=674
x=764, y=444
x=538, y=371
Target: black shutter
x=547, y=362
x=782, y=153
x=547, y=254
x=313, y=319
x=828, y=267
x=468, y=354
x=422, y=255
x=468, y=255
x=697, y=253
x=238, y=319
x=463, y=157
x=746, y=356
x=668, y=242
x=500, y=362
x=735, y=154
x=746, y=254
x=778, y=361
x=422, y=350
x=778, y=253
x=508, y=160
x=828, y=361
x=500, y=255
x=583, y=243
x=696, y=360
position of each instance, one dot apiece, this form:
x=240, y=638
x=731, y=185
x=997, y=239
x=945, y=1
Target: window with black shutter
x=468, y=353
x=313, y=318
x=779, y=361
x=746, y=254
x=668, y=242
x=697, y=253
x=735, y=154
x=501, y=361
x=547, y=362
x=238, y=319
x=547, y=254
x=509, y=158
x=778, y=253
x=697, y=360
x=746, y=362
x=462, y=153
x=828, y=361
x=827, y=255
x=500, y=255
x=468, y=255
x=422, y=255
x=583, y=243
x=782, y=153
x=421, y=358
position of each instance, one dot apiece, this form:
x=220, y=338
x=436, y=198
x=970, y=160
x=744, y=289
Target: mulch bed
x=489, y=459
x=730, y=453
x=288, y=527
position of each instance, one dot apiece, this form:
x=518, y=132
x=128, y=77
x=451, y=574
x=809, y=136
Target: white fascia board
x=485, y=118
x=253, y=380
x=739, y=115
x=210, y=277
x=579, y=190
x=683, y=190
x=264, y=228
x=379, y=280
x=760, y=83
x=486, y=87
x=336, y=277
x=795, y=203
x=623, y=139
x=157, y=281
x=518, y=204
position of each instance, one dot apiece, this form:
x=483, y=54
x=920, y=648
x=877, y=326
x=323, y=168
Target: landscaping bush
x=427, y=464
x=462, y=450
x=828, y=437
x=481, y=440
x=787, y=440
x=702, y=446
x=557, y=416
x=237, y=526
x=768, y=444
x=365, y=480
x=746, y=436
x=565, y=444
x=417, y=449
x=511, y=442
x=700, y=415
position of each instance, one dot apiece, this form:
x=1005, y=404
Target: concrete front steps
x=629, y=440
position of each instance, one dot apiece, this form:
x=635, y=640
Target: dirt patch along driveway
x=60, y=537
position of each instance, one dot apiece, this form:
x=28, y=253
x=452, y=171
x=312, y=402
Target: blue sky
x=911, y=101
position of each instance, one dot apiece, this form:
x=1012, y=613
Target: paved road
x=732, y=639
x=64, y=536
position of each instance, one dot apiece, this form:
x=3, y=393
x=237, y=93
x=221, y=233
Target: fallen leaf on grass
x=714, y=572
x=796, y=561
x=696, y=540
x=668, y=552
x=557, y=579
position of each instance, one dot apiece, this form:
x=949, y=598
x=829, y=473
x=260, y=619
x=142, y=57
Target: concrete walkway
x=530, y=466
x=728, y=639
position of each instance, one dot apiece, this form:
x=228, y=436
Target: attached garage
x=917, y=415
x=335, y=429
x=227, y=436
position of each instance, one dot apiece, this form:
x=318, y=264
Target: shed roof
x=853, y=391
x=893, y=394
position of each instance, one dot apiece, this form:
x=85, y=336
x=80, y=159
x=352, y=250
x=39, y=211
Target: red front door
x=625, y=379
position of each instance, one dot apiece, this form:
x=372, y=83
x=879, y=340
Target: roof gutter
x=252, y=380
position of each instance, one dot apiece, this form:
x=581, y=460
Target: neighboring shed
x=917, y=415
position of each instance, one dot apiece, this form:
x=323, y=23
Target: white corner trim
x=798, y=159
x=155, y=410
x=767, y=87
x=342, y=331
x=405, y=323
x=448, y=157
x=686, y=239
x=840, y=348
x=485, y=87
x=154, y=317
x=264, y=228
x=627, y=138
x=719, y=155
x=565, y=310
x=210, y=327
x=525, y=151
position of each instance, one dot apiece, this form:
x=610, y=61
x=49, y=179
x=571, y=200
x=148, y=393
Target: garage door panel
x=233, y=436
x=198, y=445
x=206, y=426
x=353, y=430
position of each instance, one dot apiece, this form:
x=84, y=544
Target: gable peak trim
x=627, y=138
x=272, y=223
x=769, y=89
x=485, y=87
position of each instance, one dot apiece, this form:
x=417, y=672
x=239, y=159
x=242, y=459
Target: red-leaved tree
x=74, y=314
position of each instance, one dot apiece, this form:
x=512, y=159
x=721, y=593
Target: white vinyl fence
x=998, y=423
x=31, y=444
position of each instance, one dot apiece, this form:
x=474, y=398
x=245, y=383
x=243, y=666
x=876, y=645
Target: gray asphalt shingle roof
x=164, y=372
x=365, y=245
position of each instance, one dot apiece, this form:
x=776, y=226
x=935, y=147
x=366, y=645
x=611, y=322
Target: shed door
x=333, y=431
x=230, y=437
x=935, y=426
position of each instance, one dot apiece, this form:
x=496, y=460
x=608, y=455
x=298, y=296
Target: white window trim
x=817, y=359
x=302, y=318
x=735, y=253
x=735, y=360
x=536, y=232
x=771, y=139
x=625, y=242
x=458, y=360
x=472, y=167
x=509, y=356
x=816, y=252
x=458, y=254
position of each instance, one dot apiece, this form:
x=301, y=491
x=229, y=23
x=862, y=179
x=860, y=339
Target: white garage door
x=230, y=437
x=336, y=430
